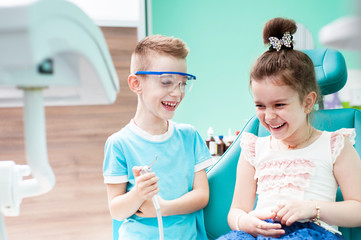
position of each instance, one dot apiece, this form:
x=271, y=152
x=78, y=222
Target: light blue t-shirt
x=180, y=153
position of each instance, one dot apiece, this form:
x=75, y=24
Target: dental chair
x=331, y=74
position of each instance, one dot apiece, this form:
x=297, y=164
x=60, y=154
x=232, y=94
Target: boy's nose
x=177, y=89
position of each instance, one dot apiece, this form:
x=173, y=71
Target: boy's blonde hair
x=153, y=45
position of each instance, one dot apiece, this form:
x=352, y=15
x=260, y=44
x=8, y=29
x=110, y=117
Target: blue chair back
x=331, y=74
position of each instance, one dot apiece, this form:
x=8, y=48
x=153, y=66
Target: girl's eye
x=280, y=104
x=259, y=106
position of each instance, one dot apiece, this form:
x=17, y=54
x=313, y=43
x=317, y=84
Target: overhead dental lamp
x=51, y=53
x=343, y=33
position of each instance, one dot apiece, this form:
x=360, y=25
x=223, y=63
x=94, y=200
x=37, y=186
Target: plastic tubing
x=159, y=217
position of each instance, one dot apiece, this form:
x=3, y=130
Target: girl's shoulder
x=342, y=133
x=337, y=140
x=251, y=139
x=248, y=143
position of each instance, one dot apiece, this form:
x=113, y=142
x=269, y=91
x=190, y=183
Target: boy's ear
x=134, y=84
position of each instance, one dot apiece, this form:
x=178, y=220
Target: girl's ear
x=310, y=101
x=134, y=84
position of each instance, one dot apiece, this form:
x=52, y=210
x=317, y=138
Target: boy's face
x=158, y=101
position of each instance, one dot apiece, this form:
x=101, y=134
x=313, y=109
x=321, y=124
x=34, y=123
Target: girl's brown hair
x=285, y=67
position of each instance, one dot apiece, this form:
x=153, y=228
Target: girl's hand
x=146, y=185
x=292, y=211
x=253, y=225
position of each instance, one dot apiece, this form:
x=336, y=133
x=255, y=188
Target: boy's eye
x=280, y=104
x=166, y=82
x=259, y=106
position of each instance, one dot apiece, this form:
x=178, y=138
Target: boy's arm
x=190, y=202
x=117, y=196
x=123, y=204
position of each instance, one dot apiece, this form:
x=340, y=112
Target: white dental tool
x=51, y=53
x=147, y=169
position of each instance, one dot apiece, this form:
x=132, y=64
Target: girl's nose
x=270, y=114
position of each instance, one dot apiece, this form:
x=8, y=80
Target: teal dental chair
x=331, y=74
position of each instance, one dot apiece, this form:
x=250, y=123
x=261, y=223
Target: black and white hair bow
x=286, y=40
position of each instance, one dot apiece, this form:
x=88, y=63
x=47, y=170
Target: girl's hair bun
x=277, y=27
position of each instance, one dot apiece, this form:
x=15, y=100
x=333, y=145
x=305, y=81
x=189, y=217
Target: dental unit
x=52, y=54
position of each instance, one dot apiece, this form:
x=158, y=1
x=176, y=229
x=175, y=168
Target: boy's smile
x=170, y=106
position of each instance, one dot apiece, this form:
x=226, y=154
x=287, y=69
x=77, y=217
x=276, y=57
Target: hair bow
x=277, y=43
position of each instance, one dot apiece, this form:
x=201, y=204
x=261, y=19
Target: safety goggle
x=171, y=80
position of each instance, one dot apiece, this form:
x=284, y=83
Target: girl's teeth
x=278, y=126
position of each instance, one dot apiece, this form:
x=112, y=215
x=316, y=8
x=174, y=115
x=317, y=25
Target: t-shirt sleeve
x=203, y=158
x=114, y=164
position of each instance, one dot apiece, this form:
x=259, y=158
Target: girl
x=297, y=169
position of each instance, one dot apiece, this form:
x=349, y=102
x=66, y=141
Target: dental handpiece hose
x=144, y=170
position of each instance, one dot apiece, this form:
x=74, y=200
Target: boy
x=179, y=181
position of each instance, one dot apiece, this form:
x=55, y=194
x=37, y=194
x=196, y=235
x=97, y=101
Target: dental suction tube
x=148, y=169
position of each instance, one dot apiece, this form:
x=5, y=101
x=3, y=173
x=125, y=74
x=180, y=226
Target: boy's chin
x=166, y=116
x=169, y=117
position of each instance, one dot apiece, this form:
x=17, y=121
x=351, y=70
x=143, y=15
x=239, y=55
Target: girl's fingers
x=267, y=226
x=270, y=229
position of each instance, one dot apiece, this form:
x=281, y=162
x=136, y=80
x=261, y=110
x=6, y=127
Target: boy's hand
x=147, y=209
x=146, y=185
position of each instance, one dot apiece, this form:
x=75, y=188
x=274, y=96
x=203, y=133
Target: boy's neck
x=152, y=127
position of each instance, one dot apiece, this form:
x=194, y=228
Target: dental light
x=51, y=53
x=344, y=32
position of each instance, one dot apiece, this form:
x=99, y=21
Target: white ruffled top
x=298, y=174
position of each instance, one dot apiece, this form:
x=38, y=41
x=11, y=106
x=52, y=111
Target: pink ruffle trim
x=284, y=174
x=338, y=140
x=248, y=145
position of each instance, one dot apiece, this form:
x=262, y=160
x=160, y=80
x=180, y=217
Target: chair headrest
x=330, y=69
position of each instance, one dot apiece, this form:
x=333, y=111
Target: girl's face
x=279, y=109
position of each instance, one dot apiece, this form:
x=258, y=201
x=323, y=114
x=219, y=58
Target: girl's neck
x=301, y=142
x=152, y=127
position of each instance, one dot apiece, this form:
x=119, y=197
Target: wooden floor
x=77, y=207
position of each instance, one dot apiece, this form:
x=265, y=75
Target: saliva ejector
x=148, y=169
